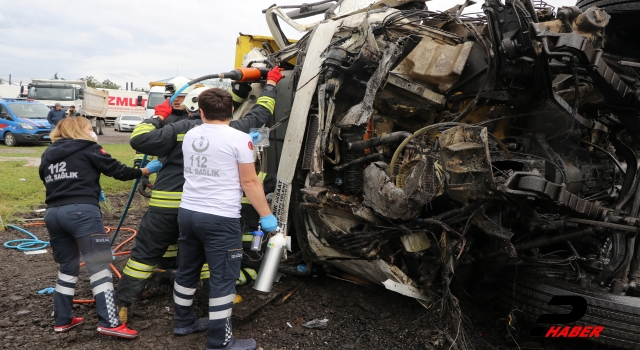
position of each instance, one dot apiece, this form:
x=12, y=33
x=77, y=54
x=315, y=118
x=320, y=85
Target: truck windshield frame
x=52, y=93
x=154, y=99
x=29, y=110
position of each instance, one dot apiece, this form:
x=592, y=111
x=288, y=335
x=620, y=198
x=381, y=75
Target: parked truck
x=124, y=102
x=90, y=102
x=155, y=97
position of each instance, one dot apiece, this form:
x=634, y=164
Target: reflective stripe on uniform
x=163, y=203
x=183, y=290
x=172, y=251
x=98, y=275
x=267, y=102
x=180, y=137
x=236, y=98
x=102, y=288
x=165, y=199
x=65, y=290
x=166, y=195
x=138, y=270
x=67, y=278
x=204, y=274
x=222, y=300
x=182, y=301
x=247, y=237
x=251, y=272
x=261, y=176
x=219, y=315
x=142, y=128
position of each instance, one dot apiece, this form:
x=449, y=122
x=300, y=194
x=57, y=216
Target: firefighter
x=218, y=167
x=159, y=226
x=70, y=170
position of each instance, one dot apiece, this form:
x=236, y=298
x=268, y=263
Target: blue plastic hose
x=178, y=92
x=25, y=244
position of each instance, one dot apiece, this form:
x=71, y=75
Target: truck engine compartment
x=427, y=151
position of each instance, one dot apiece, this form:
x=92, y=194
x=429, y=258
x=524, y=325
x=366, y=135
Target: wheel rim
x=9, y=140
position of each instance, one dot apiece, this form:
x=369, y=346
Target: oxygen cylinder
x=270, y=262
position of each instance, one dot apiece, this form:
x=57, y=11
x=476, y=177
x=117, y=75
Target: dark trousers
x=76, y=229
x=216, y=240
x=157, y=232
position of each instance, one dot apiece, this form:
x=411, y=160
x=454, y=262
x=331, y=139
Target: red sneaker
x=75, y=322
x=121, y=331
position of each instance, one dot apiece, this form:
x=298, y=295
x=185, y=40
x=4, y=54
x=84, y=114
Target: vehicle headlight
x=26, y=126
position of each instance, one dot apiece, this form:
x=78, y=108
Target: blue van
x=23, y=121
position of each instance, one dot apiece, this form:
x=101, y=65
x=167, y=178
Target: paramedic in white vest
x=218, y=167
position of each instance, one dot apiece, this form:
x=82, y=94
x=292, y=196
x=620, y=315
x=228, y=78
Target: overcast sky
x=133, y=40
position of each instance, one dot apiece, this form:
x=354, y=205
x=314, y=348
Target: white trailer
x=9, y=91
x=90, y=102
x=125, y=102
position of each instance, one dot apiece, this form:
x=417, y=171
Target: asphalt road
x=111, y=136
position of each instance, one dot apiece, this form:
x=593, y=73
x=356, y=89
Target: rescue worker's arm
x=259, y=113
x=41, y=169
x=252, y=187
x=150, y=137
x=112, y=167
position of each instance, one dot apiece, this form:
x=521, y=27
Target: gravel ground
x=359, y=317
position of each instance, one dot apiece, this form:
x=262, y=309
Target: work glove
x=255, y=137
x=163, y=109
x=102, y=197
x=268, y=223
x=241, y=90
x=154, y=166
x=49, y=290
x=274, y=74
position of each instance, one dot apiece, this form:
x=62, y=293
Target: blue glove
x=102, y=197
x=49, y=290
x=255, y=137
x=268, y=223
x=154, y=166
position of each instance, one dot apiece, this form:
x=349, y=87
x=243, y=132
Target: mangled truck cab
x=414, y=148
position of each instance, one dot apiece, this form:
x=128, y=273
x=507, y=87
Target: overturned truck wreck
x=425, y=146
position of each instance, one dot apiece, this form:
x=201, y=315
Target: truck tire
x=100, y=127
x=621, y=33
x=10, y=139
x=529, y=292
x=611, y=6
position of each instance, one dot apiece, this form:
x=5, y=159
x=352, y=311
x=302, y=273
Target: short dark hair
x=216, y=104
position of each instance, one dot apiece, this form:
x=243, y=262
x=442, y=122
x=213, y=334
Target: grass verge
x=21, y=189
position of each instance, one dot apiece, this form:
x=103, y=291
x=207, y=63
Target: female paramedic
x=70, y=169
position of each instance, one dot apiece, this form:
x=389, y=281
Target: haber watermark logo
x=553, y=325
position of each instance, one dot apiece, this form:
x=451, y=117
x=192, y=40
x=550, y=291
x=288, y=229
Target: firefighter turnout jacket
x=153, y=137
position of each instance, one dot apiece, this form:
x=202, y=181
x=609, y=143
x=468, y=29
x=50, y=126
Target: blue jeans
x=216, y=240
x=76, y=229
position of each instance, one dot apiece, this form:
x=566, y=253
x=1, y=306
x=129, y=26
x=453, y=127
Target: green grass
x=18, y=196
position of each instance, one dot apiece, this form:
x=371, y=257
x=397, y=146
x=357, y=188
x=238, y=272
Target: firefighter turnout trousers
x=216, y=240
x=76, y=229
x=155, y=247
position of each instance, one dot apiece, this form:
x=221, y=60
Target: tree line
x=95, y=83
